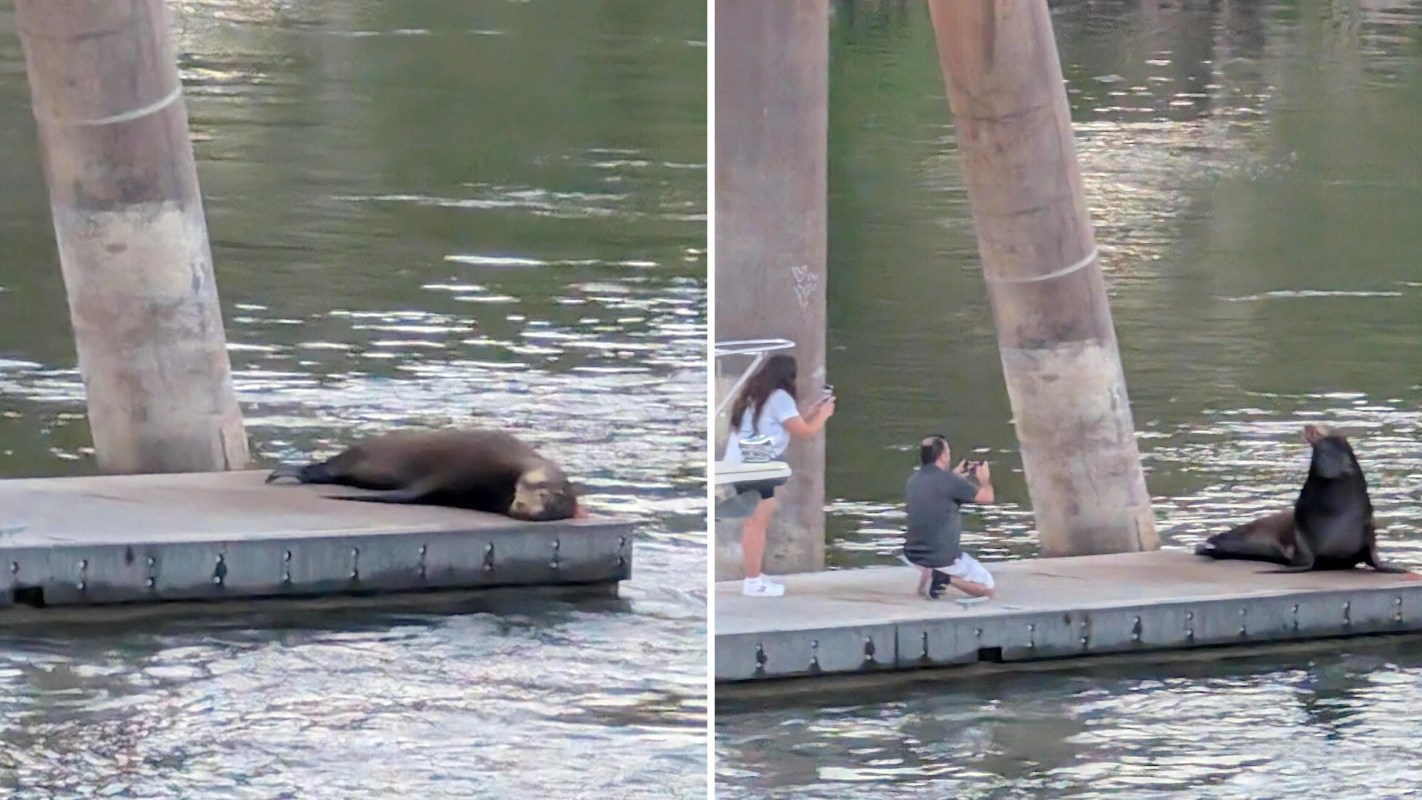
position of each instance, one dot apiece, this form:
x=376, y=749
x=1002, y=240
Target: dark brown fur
x=1330, y=526
x=1269, y=538
x=482, y=470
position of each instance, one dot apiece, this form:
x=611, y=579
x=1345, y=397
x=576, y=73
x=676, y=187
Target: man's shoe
x=940, y=582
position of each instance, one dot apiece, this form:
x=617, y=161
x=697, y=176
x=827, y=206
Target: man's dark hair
x=932, y=447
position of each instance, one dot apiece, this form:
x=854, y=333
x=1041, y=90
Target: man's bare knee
x=973, y=588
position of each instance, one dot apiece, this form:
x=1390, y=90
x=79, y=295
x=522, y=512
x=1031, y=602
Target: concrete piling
x=772, y=112
x=1048, y=298
x=133, y=242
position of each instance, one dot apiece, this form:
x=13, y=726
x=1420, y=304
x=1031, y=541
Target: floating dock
x=861, y=621
x=127, y=539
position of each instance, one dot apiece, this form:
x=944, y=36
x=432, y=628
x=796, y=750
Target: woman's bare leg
x=753, y=537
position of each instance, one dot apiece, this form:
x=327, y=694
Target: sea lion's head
x=543, y=494
x=1332, y=455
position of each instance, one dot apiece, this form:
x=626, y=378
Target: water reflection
x=1295, y=723
x=421, y=213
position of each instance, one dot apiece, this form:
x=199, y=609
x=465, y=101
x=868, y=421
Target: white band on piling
x=142, y=111
x=1067, y=270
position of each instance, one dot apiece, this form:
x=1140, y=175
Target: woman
x=766, y=407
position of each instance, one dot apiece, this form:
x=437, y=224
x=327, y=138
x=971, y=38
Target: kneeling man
x=935, y=494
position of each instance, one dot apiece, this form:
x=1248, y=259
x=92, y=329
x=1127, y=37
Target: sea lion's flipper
x=1242, y=550
x=302, y=473
x=1371, y=559
x=1385, y=566
x=1303, y=560
x=419, y=492
x=285, y=471
x=1370, y=553
x=401, y=496
x=1262, y=539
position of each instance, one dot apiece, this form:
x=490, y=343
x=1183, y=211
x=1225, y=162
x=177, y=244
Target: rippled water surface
x=1255, y=178
x=1299, y=723
x=422, y=213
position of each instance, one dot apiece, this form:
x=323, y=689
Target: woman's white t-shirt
x=779, y=408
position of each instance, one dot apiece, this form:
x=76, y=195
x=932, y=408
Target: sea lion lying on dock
x=482, y=470
x=1330, y=526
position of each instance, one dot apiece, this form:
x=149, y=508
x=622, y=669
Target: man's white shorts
x=969, y=569
x=965, y=567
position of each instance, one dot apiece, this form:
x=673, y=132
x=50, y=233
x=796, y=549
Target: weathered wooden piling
x=133, y=243
x=772, y=121
x=1058, y=346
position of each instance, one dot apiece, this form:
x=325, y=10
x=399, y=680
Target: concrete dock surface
x=857, y=621
x=226, y=535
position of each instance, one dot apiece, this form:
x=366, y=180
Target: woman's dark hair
x=778, y=372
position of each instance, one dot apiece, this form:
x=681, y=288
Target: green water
x=1255, y=187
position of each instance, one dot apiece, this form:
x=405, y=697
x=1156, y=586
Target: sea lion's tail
x=302, y=473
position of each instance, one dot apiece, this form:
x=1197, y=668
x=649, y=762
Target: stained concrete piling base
x=861, y=621
x=228, y=536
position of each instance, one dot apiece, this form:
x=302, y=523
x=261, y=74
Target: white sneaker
x=760, y=587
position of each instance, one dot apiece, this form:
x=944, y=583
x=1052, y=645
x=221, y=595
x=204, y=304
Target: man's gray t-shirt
x=934, y=523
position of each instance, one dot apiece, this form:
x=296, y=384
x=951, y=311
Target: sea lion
x=1330, y=527
x=482, y=470
x=1269, y=538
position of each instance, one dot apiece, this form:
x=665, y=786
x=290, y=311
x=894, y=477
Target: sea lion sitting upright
x=1330, y=526
x=482, y=470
